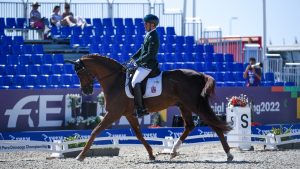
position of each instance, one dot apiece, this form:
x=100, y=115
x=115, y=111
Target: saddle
x=130, y=73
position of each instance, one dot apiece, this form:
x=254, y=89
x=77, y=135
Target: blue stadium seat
x=199, y=67
x=37, y=49
x=209, y=66
x=46, y=69
x=58, y=58
x=189, y=65
x=19, y=81
x=238, y=67
x=228, y=76
x=167, y=66
x=169, y=48
x=22, y=69
x=96, y=40
x=75, y=41
x=177, y=57
x=129, y=39
x=42, y=81
x=118, y=22
x=6, y=81
x=138, y=22
x=2, y=70
x=129, y=22
x=267, y=83
x=139, y=39
x=68, y=69
x=289, y=84
x=208, y=57
x=220, y=67
x=238, y=76
x=47, y=59
x=140, y=30
x=4, y=50
x=229, y=66
x=57, y=69
x=66, y=80
x=75, y=81
x=169, y=57
x=98, y=31
x=190, y=40
x=18, y=40
x=86, y=41
x=12, y=59
x=187, y=57
x=198, y=57
x=30, y=81
x=97, y=23
x=7, y=40
x=65, y=32
x=94, y=48
x=218, y=57
x=179, y=48
x=87, y=31
x=118, y=39
x=36, y=58
x=54, y=81
x=76, y=30
x=228, y=57
x=189, y=48
x=161, y=57
x=107, y=22
x=88, y=20
x=219, y=76
x=170, y=31
x=208, y=48
x=55, y=33
x=16, y=49
x=21, y=23
x=279, y=84
x=170, y=39
x=104, y=49
x=27, y=49
x=129, y=30
x=128, y=48
x=106, y=39
x=161, y=31
x=34, y=69
x=199, y=48
x=178, y=65
x=180, y=40
x=10, y=69
x=11, y=23
x=269, y=76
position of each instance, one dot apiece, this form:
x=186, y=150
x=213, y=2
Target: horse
x=187, y=89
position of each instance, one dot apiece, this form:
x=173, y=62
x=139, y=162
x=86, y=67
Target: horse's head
x=86, y=79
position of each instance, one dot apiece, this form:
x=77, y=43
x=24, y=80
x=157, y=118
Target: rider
x=146, y=61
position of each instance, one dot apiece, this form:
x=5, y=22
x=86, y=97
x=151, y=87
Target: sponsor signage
x=35, y=110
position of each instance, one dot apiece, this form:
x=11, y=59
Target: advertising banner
x=36, y=110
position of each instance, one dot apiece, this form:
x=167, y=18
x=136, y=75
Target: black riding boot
x=140, y=109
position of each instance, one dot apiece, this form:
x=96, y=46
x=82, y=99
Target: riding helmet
x=151, y=19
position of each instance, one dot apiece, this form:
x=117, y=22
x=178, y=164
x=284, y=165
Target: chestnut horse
x=187, y=89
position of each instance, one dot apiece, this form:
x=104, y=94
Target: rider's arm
x=137, y=54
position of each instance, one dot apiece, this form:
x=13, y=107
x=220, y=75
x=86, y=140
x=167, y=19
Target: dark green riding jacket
x=146, y=56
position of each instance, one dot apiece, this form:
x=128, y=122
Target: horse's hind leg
x=136, y=128
x=224, y=143
x=188, y=127
x=109, y=118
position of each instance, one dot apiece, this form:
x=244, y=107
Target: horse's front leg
x=109, y=118
x=188, y=127
x=133, y=121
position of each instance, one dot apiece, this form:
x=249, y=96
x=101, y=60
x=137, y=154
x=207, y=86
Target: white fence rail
x=59, y=147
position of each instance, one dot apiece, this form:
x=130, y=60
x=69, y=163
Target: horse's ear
x=72, y=62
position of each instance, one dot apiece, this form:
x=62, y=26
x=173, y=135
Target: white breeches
x=140, y=74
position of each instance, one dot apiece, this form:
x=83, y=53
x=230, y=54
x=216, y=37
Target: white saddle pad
x=153, y=87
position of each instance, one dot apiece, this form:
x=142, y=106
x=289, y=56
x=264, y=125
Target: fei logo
x=42, y=110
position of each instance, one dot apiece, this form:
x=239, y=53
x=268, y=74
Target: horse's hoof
x=79, y=158
x=229, y=157
x=173, y=155
x=151, y=158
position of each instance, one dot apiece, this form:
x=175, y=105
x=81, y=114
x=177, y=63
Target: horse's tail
x=208, y=115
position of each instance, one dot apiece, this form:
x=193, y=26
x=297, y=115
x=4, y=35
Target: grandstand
x=25, y=64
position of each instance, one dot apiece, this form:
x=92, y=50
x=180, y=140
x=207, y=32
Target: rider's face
x=147, y=26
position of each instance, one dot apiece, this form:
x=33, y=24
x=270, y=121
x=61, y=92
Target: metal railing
x=274, y=63
x=291, y=73
x=252, y=50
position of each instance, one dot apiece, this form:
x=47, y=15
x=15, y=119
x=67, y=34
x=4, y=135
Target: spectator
x=70, y=20
x=56, y=17
x=36, y=21
x=253, y=73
